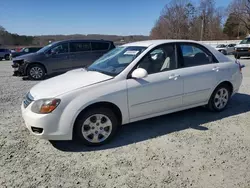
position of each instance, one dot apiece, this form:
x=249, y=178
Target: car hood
x=25, y=56
x=67, y=82
x=242, y=45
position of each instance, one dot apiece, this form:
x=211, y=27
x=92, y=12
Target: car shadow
x=162, y=125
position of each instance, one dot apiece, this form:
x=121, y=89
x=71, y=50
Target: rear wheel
x=219, y=99
x=36, y=72
x=224, y=52
x=96, y=127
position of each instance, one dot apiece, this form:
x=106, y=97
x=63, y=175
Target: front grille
x=27, y=100
x=243, y=49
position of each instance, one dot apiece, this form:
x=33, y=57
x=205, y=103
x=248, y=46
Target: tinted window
x=193, y=55
x=59, y=49
x=96, y=46
x=160, y=59
x=33, y=49
x=80, y=46
x=221, y=46
x=231, y=45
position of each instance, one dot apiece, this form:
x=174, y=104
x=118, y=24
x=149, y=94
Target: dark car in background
x=59, y=57
x=4, y=54
x=26, y=50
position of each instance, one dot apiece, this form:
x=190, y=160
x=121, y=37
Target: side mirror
x=139, y=73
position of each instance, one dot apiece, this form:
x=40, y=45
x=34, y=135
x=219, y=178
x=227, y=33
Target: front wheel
x=36, y=72
x=96, y=127
x=219, y=99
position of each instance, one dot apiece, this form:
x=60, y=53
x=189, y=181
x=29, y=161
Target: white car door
x=161, y=90
x=230, y=48
x=199, y=73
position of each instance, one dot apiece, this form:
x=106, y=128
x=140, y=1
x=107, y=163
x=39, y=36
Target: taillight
x=240, y=66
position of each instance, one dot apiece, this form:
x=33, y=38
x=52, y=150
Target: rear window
x=96, y=46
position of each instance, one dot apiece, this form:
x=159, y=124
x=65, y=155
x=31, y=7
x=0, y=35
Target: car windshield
x=245, y=41
x=45, y=48
x=115, y=61
x=221, y=46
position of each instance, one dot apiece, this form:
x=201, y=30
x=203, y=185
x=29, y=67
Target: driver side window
x=59, y=49
x=160, y=59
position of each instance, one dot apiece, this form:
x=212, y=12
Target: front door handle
x=216, y=69
x=174, y=77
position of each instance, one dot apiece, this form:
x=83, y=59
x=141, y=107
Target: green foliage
x=233, y=27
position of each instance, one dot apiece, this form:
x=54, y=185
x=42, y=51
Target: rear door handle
x=216, y=69
x=174, y=77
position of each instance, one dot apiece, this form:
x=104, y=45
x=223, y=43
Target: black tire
x=1, y=58
x=214, y=98
x=79, y=127
x=39, y=69
x=7, y=57
x=224, y=52
x=237, y=56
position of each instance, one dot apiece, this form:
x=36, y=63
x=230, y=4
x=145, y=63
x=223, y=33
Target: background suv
x=60, y=56
x=4, y=54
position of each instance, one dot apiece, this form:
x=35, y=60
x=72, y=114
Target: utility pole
x=202, y=27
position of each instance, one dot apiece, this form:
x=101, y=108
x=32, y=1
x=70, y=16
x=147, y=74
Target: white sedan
x=133, y=82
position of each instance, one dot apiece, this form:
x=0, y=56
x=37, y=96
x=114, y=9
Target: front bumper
x=48, y=123
x=19, y=69
x=242, y=53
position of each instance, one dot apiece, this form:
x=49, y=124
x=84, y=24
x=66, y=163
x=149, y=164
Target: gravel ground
x=193, y=148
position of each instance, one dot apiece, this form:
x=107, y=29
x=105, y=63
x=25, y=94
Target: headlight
x=45, y=106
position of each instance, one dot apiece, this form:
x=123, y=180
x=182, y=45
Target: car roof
x=83, y=40
x=148, y=43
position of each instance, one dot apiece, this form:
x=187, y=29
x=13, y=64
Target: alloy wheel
x=221, y=98
x=36, y=72
x=97, y=128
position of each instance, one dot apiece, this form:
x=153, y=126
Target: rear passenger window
x=193, y=55
x=96, y=46
x=80, y=47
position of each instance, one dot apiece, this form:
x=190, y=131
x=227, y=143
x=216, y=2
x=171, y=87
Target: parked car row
x=226, y=49
x=239, y=50
x=8, y=54
x=89, y=104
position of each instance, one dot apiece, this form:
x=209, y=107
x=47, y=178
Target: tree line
x=179, y=19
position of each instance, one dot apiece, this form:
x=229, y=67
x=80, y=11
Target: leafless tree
x=241, y=9
x=180, y=19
